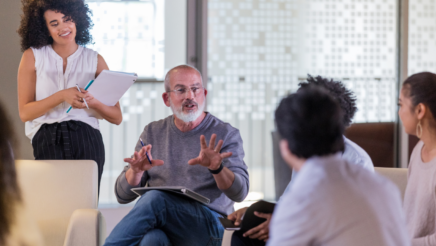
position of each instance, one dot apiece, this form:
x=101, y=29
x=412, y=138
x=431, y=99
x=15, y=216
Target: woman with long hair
x=54, y=61
x=15, y=226
x=417, y=112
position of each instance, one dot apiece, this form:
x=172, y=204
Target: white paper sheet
x=110, y=86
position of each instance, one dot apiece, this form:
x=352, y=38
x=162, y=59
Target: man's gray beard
x=187, y=117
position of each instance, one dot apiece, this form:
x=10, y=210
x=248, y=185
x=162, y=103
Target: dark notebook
x=250, y=220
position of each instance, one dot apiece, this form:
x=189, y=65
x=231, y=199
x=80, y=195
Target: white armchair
x=61, y=195
x=227, y=238
x=397, y=175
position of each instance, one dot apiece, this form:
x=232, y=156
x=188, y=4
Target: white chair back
x=397, y=175
x=54, y=189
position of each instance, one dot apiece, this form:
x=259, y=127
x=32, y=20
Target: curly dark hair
x=345, y=97
x=33, y=28
x=310, y=120
x=10, y=193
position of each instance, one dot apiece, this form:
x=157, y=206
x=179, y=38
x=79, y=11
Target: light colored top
x=50, y=78
x=353, y=153
x=420, y=199
x=24, y=231
x=176, y=148
x=335, y=203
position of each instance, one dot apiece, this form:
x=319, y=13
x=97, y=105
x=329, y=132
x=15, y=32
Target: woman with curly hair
x=53, y=33
x=16, y=227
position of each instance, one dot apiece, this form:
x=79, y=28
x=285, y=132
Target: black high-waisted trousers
x=69, y=140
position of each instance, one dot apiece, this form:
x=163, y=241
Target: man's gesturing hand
x=261, y=231
x=210, y=156
x=139, y=162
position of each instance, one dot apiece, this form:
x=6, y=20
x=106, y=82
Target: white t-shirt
x=353, y=153
x=50, y=78
x=335, y=203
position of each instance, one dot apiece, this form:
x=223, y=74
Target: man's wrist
x=133, y=179
x=216, y=170
x=136, y=173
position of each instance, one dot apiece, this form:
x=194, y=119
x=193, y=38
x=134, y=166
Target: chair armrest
x=227, y=238
x=87, y=227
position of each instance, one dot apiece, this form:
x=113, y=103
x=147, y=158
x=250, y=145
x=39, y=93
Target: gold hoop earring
x=419, y=130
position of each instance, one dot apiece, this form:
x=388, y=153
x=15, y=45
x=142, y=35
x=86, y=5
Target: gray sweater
x=176, y=148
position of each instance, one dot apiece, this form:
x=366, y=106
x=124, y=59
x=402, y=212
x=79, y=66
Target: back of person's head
x=345, y=97
x=421, y=88
x=311, y=122
x=9, y=191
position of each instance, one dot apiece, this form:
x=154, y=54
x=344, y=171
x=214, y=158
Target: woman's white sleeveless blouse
x=50, y=78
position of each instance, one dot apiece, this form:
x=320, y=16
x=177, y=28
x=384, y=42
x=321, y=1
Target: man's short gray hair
x=183, y=67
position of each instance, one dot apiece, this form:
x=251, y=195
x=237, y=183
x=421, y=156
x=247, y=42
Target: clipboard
x=179, y=190
x=110, y=86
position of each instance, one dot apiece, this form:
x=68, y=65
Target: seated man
x=353, y=153
x=182, y=158
x=331, y=202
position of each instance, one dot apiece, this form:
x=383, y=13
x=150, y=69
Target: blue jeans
x=162, y=218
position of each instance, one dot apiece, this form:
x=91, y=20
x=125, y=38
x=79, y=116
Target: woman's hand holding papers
x=73, y=97
x=93, y=102
x=139, y=164
x=109, y=113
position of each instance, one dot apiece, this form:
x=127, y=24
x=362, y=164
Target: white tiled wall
x=259, y=50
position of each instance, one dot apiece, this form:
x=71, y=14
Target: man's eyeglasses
x=181, y=91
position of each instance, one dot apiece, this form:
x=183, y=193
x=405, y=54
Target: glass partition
x=130, y=35
x=422, y=43
x=259, y=51
x=133, y=36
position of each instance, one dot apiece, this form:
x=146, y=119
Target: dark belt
x=63, y=131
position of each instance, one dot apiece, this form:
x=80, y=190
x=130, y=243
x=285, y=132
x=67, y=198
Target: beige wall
x=10, y=55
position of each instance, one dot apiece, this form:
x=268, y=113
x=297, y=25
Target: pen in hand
x=148, y=157
x=82, y=98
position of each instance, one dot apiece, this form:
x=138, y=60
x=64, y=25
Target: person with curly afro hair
x=53, y=34
x=352, y=153
x=345, y=97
